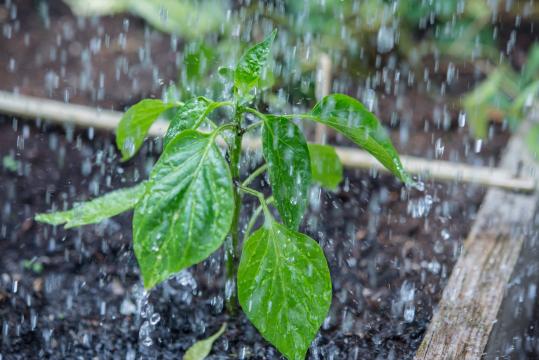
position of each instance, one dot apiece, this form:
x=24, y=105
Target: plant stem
x=254, y=174
x=231, y=244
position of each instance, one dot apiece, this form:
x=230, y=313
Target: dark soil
x=390, y=253
x=390, y=249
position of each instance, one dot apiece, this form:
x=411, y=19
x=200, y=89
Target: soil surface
x=77, y=293
x=390, y=252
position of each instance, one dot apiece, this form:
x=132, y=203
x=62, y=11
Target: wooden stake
x=322, y=89
x=83, y=116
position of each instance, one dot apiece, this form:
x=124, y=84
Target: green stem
x=255, y=216
x=231, y=243
x=253, y=126
x=264, y=117
x=260, y=197
x=254, y=174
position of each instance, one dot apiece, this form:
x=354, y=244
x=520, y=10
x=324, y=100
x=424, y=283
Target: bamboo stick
x=84, y=116
x=323, y=88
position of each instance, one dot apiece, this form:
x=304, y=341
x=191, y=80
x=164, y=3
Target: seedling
x=190, y=205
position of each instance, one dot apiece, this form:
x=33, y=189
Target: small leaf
x=249, y=68
x=326, y=167
x=186, y=117
x=202, y=348
x=135, y=124
x=348, y=116
x=187, y=209
x=226, y=73
x=96, y=210
x=284, y=287
x=289, y=168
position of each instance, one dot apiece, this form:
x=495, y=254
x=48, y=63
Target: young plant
x=190, y=205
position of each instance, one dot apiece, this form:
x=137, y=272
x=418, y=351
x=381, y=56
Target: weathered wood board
x=472, y=299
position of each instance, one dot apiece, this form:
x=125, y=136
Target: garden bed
x=390, y=253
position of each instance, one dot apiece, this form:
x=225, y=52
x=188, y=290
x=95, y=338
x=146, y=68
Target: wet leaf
x=186, y=117
x=135, y=124
x=289, y=168
x=96, y=210
x=202, y=348
x=348, y=116
x=187, y=209
x=326, y=167
x=284, y=287
x=226, y=73
x=251, y=64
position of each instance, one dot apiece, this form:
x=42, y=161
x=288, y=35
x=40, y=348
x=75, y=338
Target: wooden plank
x=472, y=298
x=84, y=116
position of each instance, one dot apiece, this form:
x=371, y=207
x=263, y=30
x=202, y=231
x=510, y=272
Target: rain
x=454, y=84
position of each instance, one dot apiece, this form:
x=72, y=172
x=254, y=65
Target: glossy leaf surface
x=186, y=117
x=326, y=167
x=96, y=210
x=187, y=209
x=289, y=168
x=135, y=123
x=348, y=116
x=251, y=64
x=284, y=287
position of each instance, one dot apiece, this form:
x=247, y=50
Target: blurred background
x=450, y=80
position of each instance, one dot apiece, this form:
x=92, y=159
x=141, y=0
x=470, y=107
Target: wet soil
x=77, y=293
x=390, y=252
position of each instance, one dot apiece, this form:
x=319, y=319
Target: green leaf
x=532, y=140
x=187, y=209
x=226, y=73
x=202, y=348
x=289, y=168
x=249, y=68
x=135, y=123
x=9, y=163
x=186, y=117
x=188, y=18
x=348, y=116
x=326, y=167
x=284, y=287
x=531, y=67
x=96, y=210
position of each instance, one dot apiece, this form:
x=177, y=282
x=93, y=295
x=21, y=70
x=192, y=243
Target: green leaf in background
x=188, y=18
x=96, y=210
x=284, y=287
x=524, y=99
x=186, y=117
x=289, y=168
x=187, y=209
x=532, y=140
x=226, y=73
x=9, y=163
x=531, y=67
x=251, y=64
x=135, y=123
x=202, y=348
x=326, y=167
x=348, y=116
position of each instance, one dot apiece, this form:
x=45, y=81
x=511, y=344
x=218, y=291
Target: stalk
x=232, y=241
